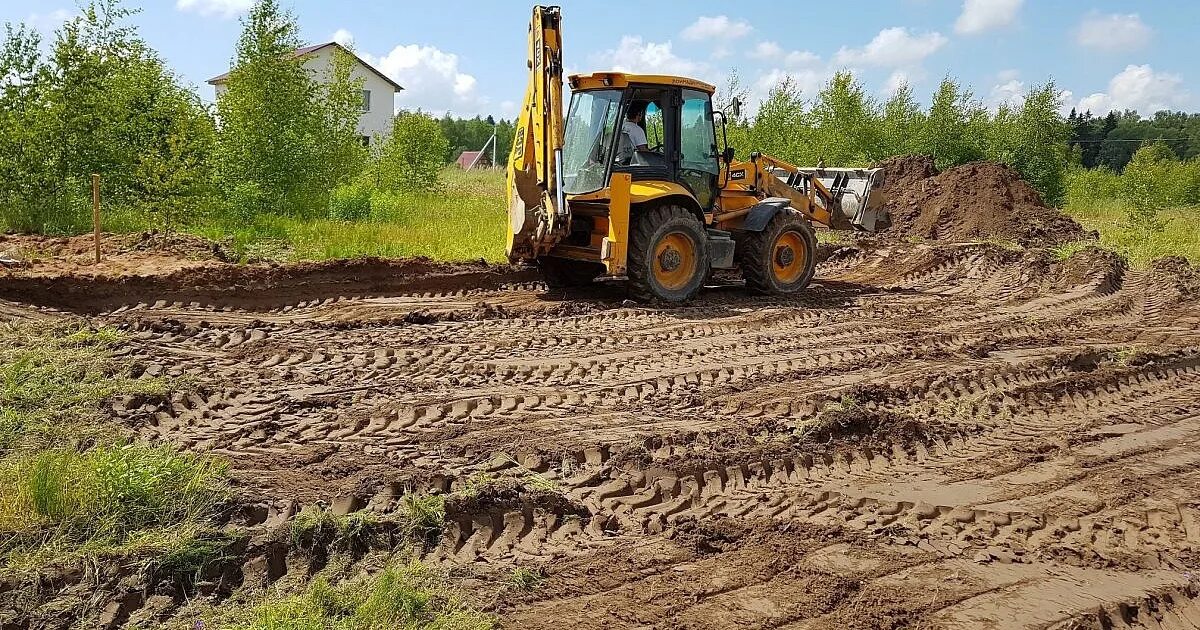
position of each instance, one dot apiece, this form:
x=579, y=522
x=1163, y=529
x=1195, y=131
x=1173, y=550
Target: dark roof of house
x=308, y=50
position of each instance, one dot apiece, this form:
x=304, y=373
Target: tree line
x=1110, y=141
x=843, y=124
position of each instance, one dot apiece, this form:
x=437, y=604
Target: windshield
x=587, y=139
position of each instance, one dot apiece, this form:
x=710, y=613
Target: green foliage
x=286, y=140
x=406, y=594
x=100, y=102
x=471, y=134
x=1148, y=210
x=105, y=493
x=1111, y=141
x=350, y=202
x=951, y=130
x=1110, y=217
x=464, y=221
x=411, y=158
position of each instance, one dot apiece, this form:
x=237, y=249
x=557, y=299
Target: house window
x=366, y=103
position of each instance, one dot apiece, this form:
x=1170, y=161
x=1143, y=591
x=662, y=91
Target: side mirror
x=735, y=107
x=728, y=154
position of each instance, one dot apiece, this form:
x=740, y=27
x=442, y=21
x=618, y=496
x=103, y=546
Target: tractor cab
x=673, y=114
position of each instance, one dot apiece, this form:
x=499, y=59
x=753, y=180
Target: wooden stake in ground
x=96, y=213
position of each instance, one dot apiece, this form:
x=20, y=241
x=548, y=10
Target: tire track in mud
x=1044, y=422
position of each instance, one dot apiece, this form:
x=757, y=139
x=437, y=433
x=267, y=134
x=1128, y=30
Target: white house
x=379, y=92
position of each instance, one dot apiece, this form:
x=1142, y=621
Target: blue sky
x=468, y=57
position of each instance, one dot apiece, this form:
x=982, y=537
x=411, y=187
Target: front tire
x=781, y=259
x=668, y=255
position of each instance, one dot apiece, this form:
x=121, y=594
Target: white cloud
x=218, y=8
x=1112, y=32
x=1007, y=75
x=1010, y=93
x=46, y=23
x=432, y=80
x=1140, y=88
x=984, y=15
x=634, y=54
x=895, y=81
x=808, y=82
x=765, y=50
x=716, y=28
x=343, y=37
x=893, y=47
x=774, y=53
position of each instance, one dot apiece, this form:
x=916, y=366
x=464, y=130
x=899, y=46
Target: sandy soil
x=933, y=436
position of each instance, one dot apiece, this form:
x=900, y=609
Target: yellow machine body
x=578, y=195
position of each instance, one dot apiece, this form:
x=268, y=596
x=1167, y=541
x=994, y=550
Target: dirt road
x=959, y=436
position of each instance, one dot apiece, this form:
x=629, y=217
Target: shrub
x=411, y=158
x=350, y=202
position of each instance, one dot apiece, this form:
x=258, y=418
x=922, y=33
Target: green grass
x=1180, y=238
x=405, y=594
x=464, y=221
x=315, y=526
x=52, y=381
x=523, y=579
x=73, y=482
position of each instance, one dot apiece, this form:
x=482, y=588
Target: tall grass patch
x=405, y=594
x=1180, y=235
x=73, y=482
x=464, y=219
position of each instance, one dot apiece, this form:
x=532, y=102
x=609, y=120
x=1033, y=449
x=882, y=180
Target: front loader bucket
x=858, y=202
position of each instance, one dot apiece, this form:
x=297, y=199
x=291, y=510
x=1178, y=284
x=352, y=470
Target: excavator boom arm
x=537, y=207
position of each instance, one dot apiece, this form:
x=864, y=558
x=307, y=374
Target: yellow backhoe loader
x=586, y=203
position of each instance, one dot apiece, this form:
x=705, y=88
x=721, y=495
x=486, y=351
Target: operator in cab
x=633, y=136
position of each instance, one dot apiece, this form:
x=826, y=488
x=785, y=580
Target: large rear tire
x=668, y=255
x=562, y=273
x=781, y=259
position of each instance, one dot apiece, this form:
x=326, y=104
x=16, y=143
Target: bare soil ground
x=938, y=435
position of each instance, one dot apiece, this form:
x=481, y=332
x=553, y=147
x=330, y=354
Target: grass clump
x=186, y=562
x=53, y=379
x=424, y=515
x=316, y=526
x=405, y=594
x=523, y=579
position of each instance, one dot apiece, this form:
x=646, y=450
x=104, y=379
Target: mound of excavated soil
x=901, y=172
x=974, y=201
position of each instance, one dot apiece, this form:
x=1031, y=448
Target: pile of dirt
x=974, y=201
x=902, y=172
